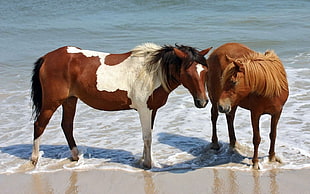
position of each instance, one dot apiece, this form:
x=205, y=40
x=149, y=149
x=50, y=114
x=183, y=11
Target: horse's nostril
x=221, y=109
x=205, y=102
x=200, y=103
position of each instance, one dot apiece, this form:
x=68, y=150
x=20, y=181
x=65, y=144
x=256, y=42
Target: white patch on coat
x=87, y=53
x=130, y=76
x=199, y=69
x=35, y=149
x=118, y=77
x=75, y=153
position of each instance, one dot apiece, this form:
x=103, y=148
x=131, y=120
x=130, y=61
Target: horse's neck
x=173, y=84
x=159, y=96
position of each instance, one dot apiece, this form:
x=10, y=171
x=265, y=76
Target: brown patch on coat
x=114, y=59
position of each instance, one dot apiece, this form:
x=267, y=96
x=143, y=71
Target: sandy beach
x=205, y=180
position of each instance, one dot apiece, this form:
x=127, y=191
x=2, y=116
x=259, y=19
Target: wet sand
x=206, y=180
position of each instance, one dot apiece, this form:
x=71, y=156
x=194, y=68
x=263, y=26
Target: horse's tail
x=36, y=89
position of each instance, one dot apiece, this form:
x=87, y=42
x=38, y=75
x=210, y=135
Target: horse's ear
x=180, y=53
x=238, y=64
x=230, y=59
x=204, y=52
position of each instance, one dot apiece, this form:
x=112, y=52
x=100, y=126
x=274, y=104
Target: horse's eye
x=233, y=82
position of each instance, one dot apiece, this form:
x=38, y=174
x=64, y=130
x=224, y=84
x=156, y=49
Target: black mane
x=171, y=64
x=168, y=57
x=193, y=55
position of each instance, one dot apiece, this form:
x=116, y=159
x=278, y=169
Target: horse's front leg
x=256, y=138
x=145, y=115
x=214, y=116
x=230, y=117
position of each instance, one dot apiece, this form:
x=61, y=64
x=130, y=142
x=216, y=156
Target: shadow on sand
x=204, y=156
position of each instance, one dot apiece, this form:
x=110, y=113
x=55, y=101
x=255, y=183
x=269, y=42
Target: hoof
x=275, y=159
x=147, y=165
x=215, y=146
x=233, y=144
x=272, y=158
x=74, y=159
x=74, y=154
x=34, y=162
x=256, y=166
x=144, y=164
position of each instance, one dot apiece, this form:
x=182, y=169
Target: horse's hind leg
x=272, y=135
x=256, y=138
x=69, y=107
x=39, y=127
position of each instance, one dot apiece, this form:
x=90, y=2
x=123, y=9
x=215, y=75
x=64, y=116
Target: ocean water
x=182, y=133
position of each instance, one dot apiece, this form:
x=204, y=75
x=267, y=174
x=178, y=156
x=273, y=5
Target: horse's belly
x=108, y=105
x=109, y=101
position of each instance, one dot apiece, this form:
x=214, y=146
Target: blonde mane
x=144, y=49
x=154, y=67
x=148, y=51
x=148, y=71
x=263, y=73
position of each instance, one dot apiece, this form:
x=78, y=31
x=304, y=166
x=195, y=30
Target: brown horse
x=140, y=79
x=238, y=76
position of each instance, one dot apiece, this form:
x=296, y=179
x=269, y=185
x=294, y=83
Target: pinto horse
x=238, y=76
x=140, y=79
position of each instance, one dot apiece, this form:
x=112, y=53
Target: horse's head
x=235, y=88
x=192, y=73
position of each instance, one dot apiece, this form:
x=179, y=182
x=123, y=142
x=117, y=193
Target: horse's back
x=73, y=72
x=218, y=57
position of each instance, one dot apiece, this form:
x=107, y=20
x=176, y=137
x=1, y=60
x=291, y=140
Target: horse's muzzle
x=200, y=103
x=224, y=108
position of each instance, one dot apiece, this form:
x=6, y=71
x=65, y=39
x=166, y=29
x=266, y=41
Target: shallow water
x=182, y=133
